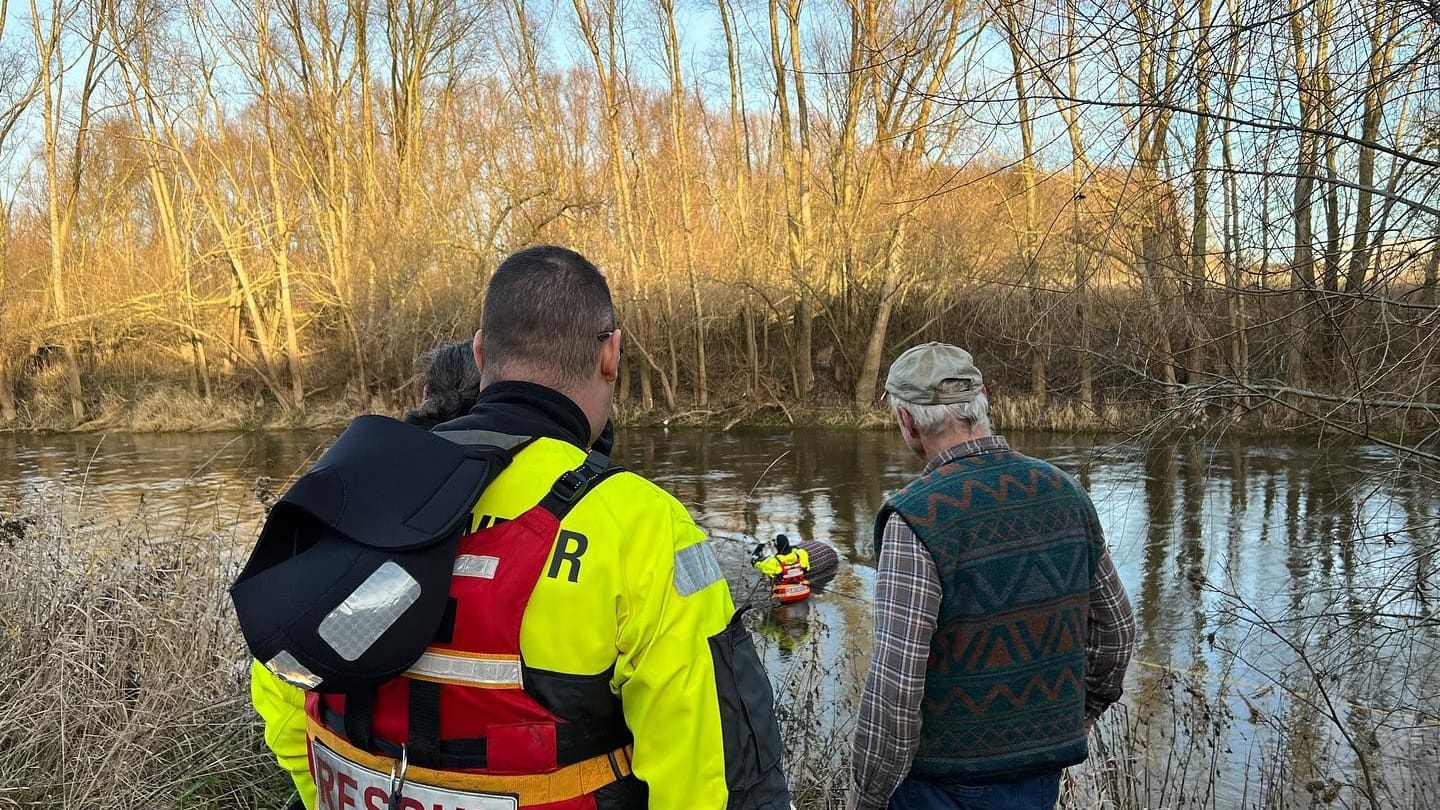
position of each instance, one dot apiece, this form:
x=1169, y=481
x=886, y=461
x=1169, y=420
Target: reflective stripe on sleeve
x=696, y=568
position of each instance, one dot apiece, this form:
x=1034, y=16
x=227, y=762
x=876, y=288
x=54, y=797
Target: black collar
x=526, y=409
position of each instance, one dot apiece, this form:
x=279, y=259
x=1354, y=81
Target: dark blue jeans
x=1032, y=793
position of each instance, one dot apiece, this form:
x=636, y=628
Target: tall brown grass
x=122, y=676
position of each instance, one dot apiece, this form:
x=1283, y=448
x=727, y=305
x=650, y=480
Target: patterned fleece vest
x=1014, y=541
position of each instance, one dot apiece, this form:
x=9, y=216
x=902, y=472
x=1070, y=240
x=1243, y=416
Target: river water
x=1286, y=595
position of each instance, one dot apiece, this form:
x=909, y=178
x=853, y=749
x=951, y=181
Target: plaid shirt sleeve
x=1110, y=637
x=907, y=602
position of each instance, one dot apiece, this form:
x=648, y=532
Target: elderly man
x=1001, y=630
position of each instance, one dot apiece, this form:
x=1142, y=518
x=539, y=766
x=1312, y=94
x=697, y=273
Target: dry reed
x=123, y=682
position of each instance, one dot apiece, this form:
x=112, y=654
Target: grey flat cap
x=934, y=374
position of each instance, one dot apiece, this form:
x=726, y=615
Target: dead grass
x=165, y=408
x=122, y=676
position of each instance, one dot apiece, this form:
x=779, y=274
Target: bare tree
x=21, y=85
x=79, y=24
x=1009, y=12
x=795, y=160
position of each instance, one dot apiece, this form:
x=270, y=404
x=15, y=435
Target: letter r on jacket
x=569, y=547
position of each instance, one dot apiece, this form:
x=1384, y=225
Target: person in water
x=772, y=565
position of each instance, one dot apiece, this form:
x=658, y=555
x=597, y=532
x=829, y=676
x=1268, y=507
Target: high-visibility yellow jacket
x=645, y=597
x=772, y=566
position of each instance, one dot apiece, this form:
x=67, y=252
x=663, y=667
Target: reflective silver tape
x=476, y=565
x=483, y=437
x=696, y=568
x=465, y=669
x=370, y=610
x=286, y=668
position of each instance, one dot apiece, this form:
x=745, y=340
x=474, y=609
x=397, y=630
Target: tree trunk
x=1079, y=266
x=196, y=340
x=292, y=342
x=1333, y=226
x=1382, y=45
x=7, y=391
x=1302, y=267
x=866, y=386
x=1079, y=260
x=1028, y=242
x=795, y=164
x=1200, y=204
x=682, y=166
x=647, y=391
x=1432, y=271
x=64, y=179
x=752, y=352
x=74, y=384
x=740, y=131
x=1152, y=283
x=1234, y=278
x=804, y=348
x=1157, y=216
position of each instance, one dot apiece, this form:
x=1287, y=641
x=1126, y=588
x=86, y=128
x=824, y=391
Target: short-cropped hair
x=545, y=309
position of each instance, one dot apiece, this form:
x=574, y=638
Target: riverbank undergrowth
x=172, y=407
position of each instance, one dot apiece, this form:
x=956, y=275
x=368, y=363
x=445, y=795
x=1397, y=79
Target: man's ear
x=477, y=347
x=610, y=357
x=907, y=423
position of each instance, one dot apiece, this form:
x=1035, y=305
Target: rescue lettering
x=377, y=799
x=345, y=785
x=325, y=783
x=569, y=547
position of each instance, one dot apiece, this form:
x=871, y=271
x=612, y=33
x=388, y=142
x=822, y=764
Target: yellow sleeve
x=282, y=707
x=770, y=566
x=803, y=557
x=676, y=600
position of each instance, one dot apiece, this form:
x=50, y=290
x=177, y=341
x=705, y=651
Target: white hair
x=934, y=420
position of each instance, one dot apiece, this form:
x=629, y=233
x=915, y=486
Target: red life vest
x=466, y=726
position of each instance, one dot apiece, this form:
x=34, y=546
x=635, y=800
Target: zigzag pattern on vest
x=1015, y=548
x=1036, y=686
x=1026, y=638
x=1010, y=574
x=1005, y=486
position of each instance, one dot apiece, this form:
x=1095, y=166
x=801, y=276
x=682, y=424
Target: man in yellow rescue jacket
x=634, y=685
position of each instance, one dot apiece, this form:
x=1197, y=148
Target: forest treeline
x=1217, y=205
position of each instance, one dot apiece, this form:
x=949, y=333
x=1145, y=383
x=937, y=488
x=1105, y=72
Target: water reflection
x=1285, y=596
